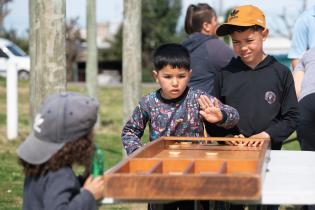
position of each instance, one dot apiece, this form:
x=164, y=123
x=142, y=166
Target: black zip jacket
x=264, y=97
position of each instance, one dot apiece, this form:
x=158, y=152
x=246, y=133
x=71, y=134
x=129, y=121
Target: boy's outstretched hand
x=210, y=110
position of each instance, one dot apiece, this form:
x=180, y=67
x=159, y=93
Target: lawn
x=107, y=137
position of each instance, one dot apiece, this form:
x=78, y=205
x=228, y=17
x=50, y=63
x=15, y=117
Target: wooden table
x=290, y=178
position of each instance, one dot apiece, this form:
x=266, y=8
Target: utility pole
x=91, y=66
x=47, y=50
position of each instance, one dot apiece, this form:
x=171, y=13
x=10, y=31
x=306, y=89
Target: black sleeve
x=285, y=124
x=217, y=86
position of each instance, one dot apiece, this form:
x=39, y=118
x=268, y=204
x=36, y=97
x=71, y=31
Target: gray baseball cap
x=63, y=117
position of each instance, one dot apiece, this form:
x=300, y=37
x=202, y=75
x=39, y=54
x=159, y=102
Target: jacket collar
x=237, y=62
x=175, y=100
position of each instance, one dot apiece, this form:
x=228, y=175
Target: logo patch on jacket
x=270, y=97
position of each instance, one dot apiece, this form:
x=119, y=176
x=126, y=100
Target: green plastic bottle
x=97, y=167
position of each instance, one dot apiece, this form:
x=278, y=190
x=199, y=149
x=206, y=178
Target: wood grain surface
x=176, y=168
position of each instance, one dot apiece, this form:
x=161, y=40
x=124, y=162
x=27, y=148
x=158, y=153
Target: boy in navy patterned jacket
x=174, y=109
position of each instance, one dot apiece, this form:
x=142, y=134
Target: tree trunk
x=4, y=11
x=91, y=63
x=131, y=56
x=47, y=50
x=91, y=66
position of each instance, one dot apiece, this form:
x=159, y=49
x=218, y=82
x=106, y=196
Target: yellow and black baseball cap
x=246, y=15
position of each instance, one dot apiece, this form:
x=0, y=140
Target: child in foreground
x=61, y=137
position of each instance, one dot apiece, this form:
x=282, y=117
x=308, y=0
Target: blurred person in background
x=208, y=54
x=303, y=36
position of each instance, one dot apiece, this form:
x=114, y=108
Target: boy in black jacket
x=260, y=88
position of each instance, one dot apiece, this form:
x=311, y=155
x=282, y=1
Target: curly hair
x=79, y=151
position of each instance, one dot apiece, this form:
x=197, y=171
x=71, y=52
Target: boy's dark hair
x=174, y=55
x=79, y=151
x=233, y=28
x=196, y=15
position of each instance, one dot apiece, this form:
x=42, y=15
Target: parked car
x=11, y=52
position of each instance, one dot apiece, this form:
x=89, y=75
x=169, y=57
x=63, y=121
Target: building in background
x=110, y=72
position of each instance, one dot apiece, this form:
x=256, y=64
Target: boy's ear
x=189, y=73
x=265, y=33
x=155, y=74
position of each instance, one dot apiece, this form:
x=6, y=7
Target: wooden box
x=178, y=168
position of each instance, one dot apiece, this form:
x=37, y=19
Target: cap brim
x=35, y=151
x=224, y=29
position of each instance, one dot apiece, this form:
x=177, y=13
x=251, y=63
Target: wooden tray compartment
x=175, y=167
x=152, y=174
x=137, y=166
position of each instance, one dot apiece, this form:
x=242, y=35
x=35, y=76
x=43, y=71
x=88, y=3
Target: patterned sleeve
x=133, y=129
x=230, y=115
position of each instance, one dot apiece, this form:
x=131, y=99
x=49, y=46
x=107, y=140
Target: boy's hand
x=258, y=143
x=238, y=142
x=209, y=110
x=95, y=186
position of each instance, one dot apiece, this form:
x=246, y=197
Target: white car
x=10, y=51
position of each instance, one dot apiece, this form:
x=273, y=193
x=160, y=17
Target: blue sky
x=113, y=10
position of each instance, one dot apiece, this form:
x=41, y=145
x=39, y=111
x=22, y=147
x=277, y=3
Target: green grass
x=107, y=136
x=291, y=143
x=11, y=178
